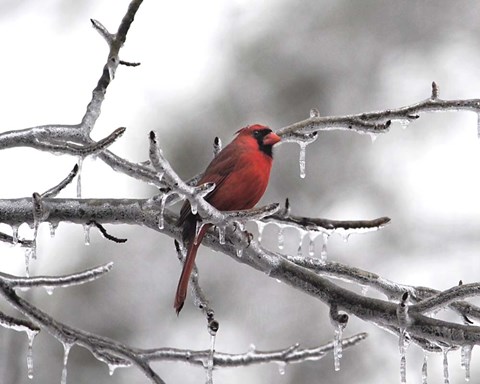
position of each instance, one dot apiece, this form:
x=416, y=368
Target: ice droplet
x=364, y=290
x=314, y=113
x=15, y=234
x=49, y=290
x=281, y=238
x=403, y=123
x=323, y=253
x=79, y=178
x=260, y=228
x=281, y=368
x=337, y=346
x=466, y=358
x=425, y=369
x=445, y=366
x=112, y=368
x=86, y=232
x=239, y=252
x=66, y=351
x=302, y=156
x=31, y=336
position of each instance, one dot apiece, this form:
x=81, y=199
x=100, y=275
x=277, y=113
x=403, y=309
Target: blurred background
x=208, y=69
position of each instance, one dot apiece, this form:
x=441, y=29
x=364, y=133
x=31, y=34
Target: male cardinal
x=240, y=173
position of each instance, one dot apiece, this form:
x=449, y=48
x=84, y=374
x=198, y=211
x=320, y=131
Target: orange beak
x=271, y=139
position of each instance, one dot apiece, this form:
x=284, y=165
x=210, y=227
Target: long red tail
x=187, y=268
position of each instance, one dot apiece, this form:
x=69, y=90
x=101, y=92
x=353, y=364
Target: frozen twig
x=54, y=191
x=379, y=122
x=50, y=282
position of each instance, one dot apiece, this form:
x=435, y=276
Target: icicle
x=303, y=150
x=239, y=252
x=403, y=343
x=86, y=232
x=162, y=210
x=478, y=125
x=311, y=244
x=323, y=253
x=79, y=178
x=198, y=228
x=112, y=368
x=466, y=353
x=66, y=351
x=193, y=207
x=28, y=256
x=445, y=366
x=337, y=345
x=210, y=358
x=53, y=228
x=15, y=234
x=221, y=234
x=425, y=368
x=281, y=238
x=49, y=290
x=31, y=336
x=302, y=235
x=281, y=368
x=373, y=136
x=403, y=123
x=260, y=227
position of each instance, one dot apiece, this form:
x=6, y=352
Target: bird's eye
x=256, y=133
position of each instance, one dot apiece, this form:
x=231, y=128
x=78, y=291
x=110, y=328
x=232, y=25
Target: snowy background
x=208, y=69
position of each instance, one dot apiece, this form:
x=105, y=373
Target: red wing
x=217, y=172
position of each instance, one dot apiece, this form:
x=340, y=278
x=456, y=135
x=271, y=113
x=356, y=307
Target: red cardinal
x=240, y=173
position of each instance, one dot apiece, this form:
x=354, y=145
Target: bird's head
x=262, y=135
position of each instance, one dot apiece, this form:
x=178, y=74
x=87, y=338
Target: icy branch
x=379, y=122
x=55, y=281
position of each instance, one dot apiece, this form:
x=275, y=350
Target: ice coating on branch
x=31, y=336
x=198, y=228
x=425, y=368
x=161, y=221
x=79, y=178
x=66, y=351
x=445, y=366
x=466, y=357
x=364, y=290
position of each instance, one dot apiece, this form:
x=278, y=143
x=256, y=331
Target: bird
x=241, y=172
